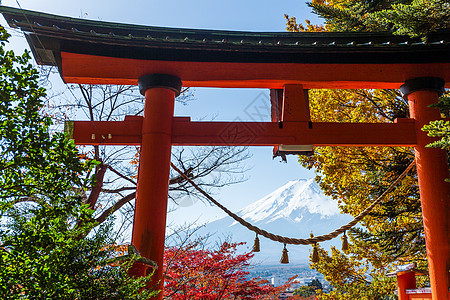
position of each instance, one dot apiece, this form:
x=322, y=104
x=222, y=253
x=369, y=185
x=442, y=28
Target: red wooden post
x=432, y=169
x=154, y=167
x=405, y=280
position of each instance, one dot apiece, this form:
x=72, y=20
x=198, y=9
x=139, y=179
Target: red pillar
x=405, y=281
x=154, y=167
x=432, y=169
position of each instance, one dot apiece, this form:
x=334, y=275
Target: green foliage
x=46, y=257
x=309, y=290
x=439, y=128
x=316, y=284
x=418, y=18
x=305, y=291
x=33, y=163
x=405, y=17
x=340, y=16
x=443, y=105
x=50, y=248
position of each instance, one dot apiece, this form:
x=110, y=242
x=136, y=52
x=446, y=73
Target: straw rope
x=295, y=241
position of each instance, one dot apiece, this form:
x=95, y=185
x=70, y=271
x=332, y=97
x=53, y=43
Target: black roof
x=49, y=35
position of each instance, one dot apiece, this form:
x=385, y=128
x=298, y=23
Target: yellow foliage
x=293, y=26
x=342, y=171
x=355, y=176
x=349, y=277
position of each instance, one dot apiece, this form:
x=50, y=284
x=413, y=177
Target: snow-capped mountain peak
x=291, y=201
x=294, y=210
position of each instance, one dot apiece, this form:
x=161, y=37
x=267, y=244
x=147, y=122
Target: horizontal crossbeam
x=187, y=133
x=92, y=69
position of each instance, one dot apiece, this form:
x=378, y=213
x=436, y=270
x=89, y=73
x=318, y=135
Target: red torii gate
x=161, y=59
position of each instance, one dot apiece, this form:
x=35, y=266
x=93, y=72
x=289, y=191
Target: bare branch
x=115, y=207
x=121, y=175
x=116, y=191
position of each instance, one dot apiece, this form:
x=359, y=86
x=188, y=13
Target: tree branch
x=115, y=207
x=121, y=175
x=95, y=192
x=115, y=191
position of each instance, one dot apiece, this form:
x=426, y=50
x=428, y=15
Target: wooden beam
x=295, y=103
x=91, y=69
x=187, y=133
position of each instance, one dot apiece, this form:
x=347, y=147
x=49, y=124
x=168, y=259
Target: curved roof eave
x=65, y=42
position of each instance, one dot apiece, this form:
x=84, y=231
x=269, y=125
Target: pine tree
x=414, y=18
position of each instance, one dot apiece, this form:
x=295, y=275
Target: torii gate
x=162, y=59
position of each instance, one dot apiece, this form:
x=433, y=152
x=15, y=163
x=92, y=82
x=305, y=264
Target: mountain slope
x=294, y=210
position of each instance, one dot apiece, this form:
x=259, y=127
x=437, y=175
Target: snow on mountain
x=293, y=210
x=290, y=202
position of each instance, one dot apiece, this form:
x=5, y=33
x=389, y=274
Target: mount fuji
x=293, y=210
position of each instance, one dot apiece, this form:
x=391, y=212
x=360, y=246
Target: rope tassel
x=344, y=243
x=315, y=254
x=284, y=256
x=256, y=244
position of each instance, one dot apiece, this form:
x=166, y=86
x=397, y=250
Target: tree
x=352, y=277
x=316, y=284
x=115, y=188
x=310, y=290
x=392, y=233
x=414, y=18
x=193, y=272
x=355, y=176
x=44, y=257
x=89, y=190
x=48, y=248
x=440, y=128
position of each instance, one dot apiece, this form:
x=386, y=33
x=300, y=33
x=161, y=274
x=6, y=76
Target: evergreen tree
x=316, y=284
x=414, y=18
x=308, y=290
x=50, y=247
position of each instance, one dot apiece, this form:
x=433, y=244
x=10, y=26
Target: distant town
x=279, y=274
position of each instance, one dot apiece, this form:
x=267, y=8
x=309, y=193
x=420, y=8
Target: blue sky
x=265, y=175
x=262, y=15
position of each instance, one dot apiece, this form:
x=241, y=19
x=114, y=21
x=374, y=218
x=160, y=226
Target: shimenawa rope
x=295, y=241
